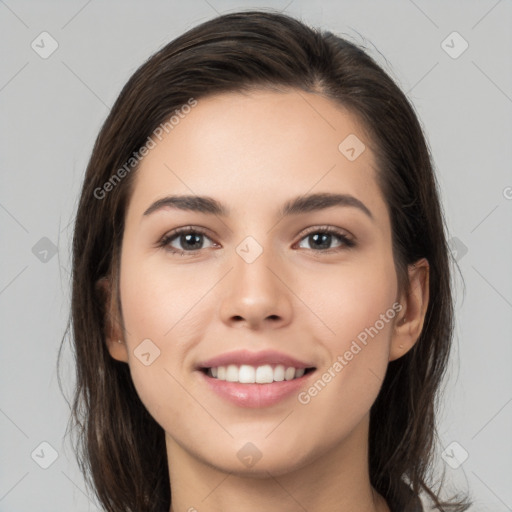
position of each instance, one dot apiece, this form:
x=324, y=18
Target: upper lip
x=239, y=357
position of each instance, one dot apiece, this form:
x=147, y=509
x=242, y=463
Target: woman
x=261, y=304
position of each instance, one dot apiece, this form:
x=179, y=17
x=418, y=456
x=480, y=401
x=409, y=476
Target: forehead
x=260, y=146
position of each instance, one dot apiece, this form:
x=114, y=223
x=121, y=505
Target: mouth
x=255, y=379
x=263, y=374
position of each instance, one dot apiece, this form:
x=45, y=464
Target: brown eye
x=323, y=238
x=185, y=240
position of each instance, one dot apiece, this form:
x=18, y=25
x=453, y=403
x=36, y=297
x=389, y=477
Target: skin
x=253, y=152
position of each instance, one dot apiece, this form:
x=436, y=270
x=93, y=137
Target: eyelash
x=164, y=242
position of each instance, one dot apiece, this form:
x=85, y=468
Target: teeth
x=264, y=374
x=279, y=373
x=289, y=373
x=232, y=373
x=247, y=374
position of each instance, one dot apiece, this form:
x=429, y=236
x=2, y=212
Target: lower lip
x=255, y=395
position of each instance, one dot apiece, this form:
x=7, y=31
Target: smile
x=255, y=379
x=264, y=374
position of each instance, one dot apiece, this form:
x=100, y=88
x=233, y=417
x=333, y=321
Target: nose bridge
x=256, y=293
x=254, y=281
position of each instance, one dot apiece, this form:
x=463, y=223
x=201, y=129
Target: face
x=249, y=288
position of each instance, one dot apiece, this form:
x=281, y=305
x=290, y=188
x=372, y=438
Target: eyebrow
x=299, y=205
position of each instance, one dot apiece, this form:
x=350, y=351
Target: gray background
x=52, y=109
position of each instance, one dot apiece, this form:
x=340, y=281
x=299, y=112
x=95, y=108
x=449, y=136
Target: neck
x=335, y=480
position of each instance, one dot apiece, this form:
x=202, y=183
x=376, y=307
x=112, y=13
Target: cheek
x=356, y=311
x=159, y=300
x=165, y=314
x=348, y=300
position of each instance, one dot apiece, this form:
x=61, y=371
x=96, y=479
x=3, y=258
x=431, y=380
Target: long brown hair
x=120, y=447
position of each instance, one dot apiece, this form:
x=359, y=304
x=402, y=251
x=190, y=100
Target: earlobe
x=415, y=300
x=113, y=335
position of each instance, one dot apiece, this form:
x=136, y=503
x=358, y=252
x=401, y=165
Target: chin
x=251, y=462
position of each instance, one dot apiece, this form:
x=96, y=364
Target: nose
x=256, y=294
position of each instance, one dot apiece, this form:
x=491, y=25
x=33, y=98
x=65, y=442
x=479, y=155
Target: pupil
x=324, y=237
x=189, y=240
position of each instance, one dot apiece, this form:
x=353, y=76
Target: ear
x=113, y=334
x=409, y=323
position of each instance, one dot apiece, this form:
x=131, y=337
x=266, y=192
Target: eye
x=188, y=239
x=322, y=239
